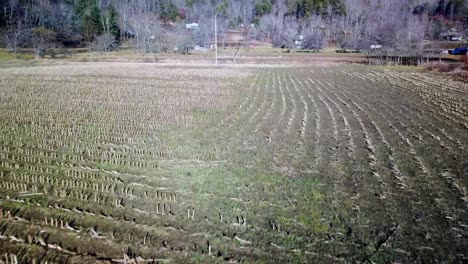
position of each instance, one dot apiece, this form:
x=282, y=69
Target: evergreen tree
x=168, y=11
x=113, y=22
x=89, y=16
x=172, y=11
x=305, y=8
x=263, y=7
x=82, y=7
x=94, y=20
x=162, y=10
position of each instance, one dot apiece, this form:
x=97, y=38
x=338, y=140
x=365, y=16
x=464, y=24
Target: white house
x=191, y=25
x=199, y=48
x=298, y=41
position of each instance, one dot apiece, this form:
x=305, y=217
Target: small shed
x=298, y=42
x=192, y=25
x=451, y=36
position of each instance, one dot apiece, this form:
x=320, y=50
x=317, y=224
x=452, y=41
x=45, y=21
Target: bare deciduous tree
x=14, y=36
x=42, y=39
x=16, y=30
x=149, y=32
x=103, y=43
x=313, y=40
x=287, y=34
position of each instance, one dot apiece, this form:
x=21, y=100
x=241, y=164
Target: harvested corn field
x=122, y=162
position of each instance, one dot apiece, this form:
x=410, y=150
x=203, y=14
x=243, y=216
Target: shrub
x=440, y=66
x=105, y=42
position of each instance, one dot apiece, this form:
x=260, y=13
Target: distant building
x=454, y=38
x=192, y=26
x=200, y=48
x=451, y=36
x=298, y=41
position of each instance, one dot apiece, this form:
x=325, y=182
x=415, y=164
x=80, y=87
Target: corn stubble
x=139, y=163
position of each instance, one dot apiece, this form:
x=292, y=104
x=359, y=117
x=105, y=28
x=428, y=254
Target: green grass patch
x=7, y=56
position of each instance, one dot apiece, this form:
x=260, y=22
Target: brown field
x=154, y=163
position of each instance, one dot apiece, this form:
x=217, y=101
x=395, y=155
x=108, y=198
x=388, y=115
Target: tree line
x=159, y=25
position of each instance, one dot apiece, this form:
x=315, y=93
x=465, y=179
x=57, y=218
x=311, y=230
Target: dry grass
x=454, y=71
x=113, y=162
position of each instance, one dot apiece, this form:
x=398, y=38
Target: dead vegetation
x=454, y=71
x=142, y=163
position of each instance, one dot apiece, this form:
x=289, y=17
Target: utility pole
x=216, y=39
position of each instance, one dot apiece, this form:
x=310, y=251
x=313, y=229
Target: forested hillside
x=158, y=24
